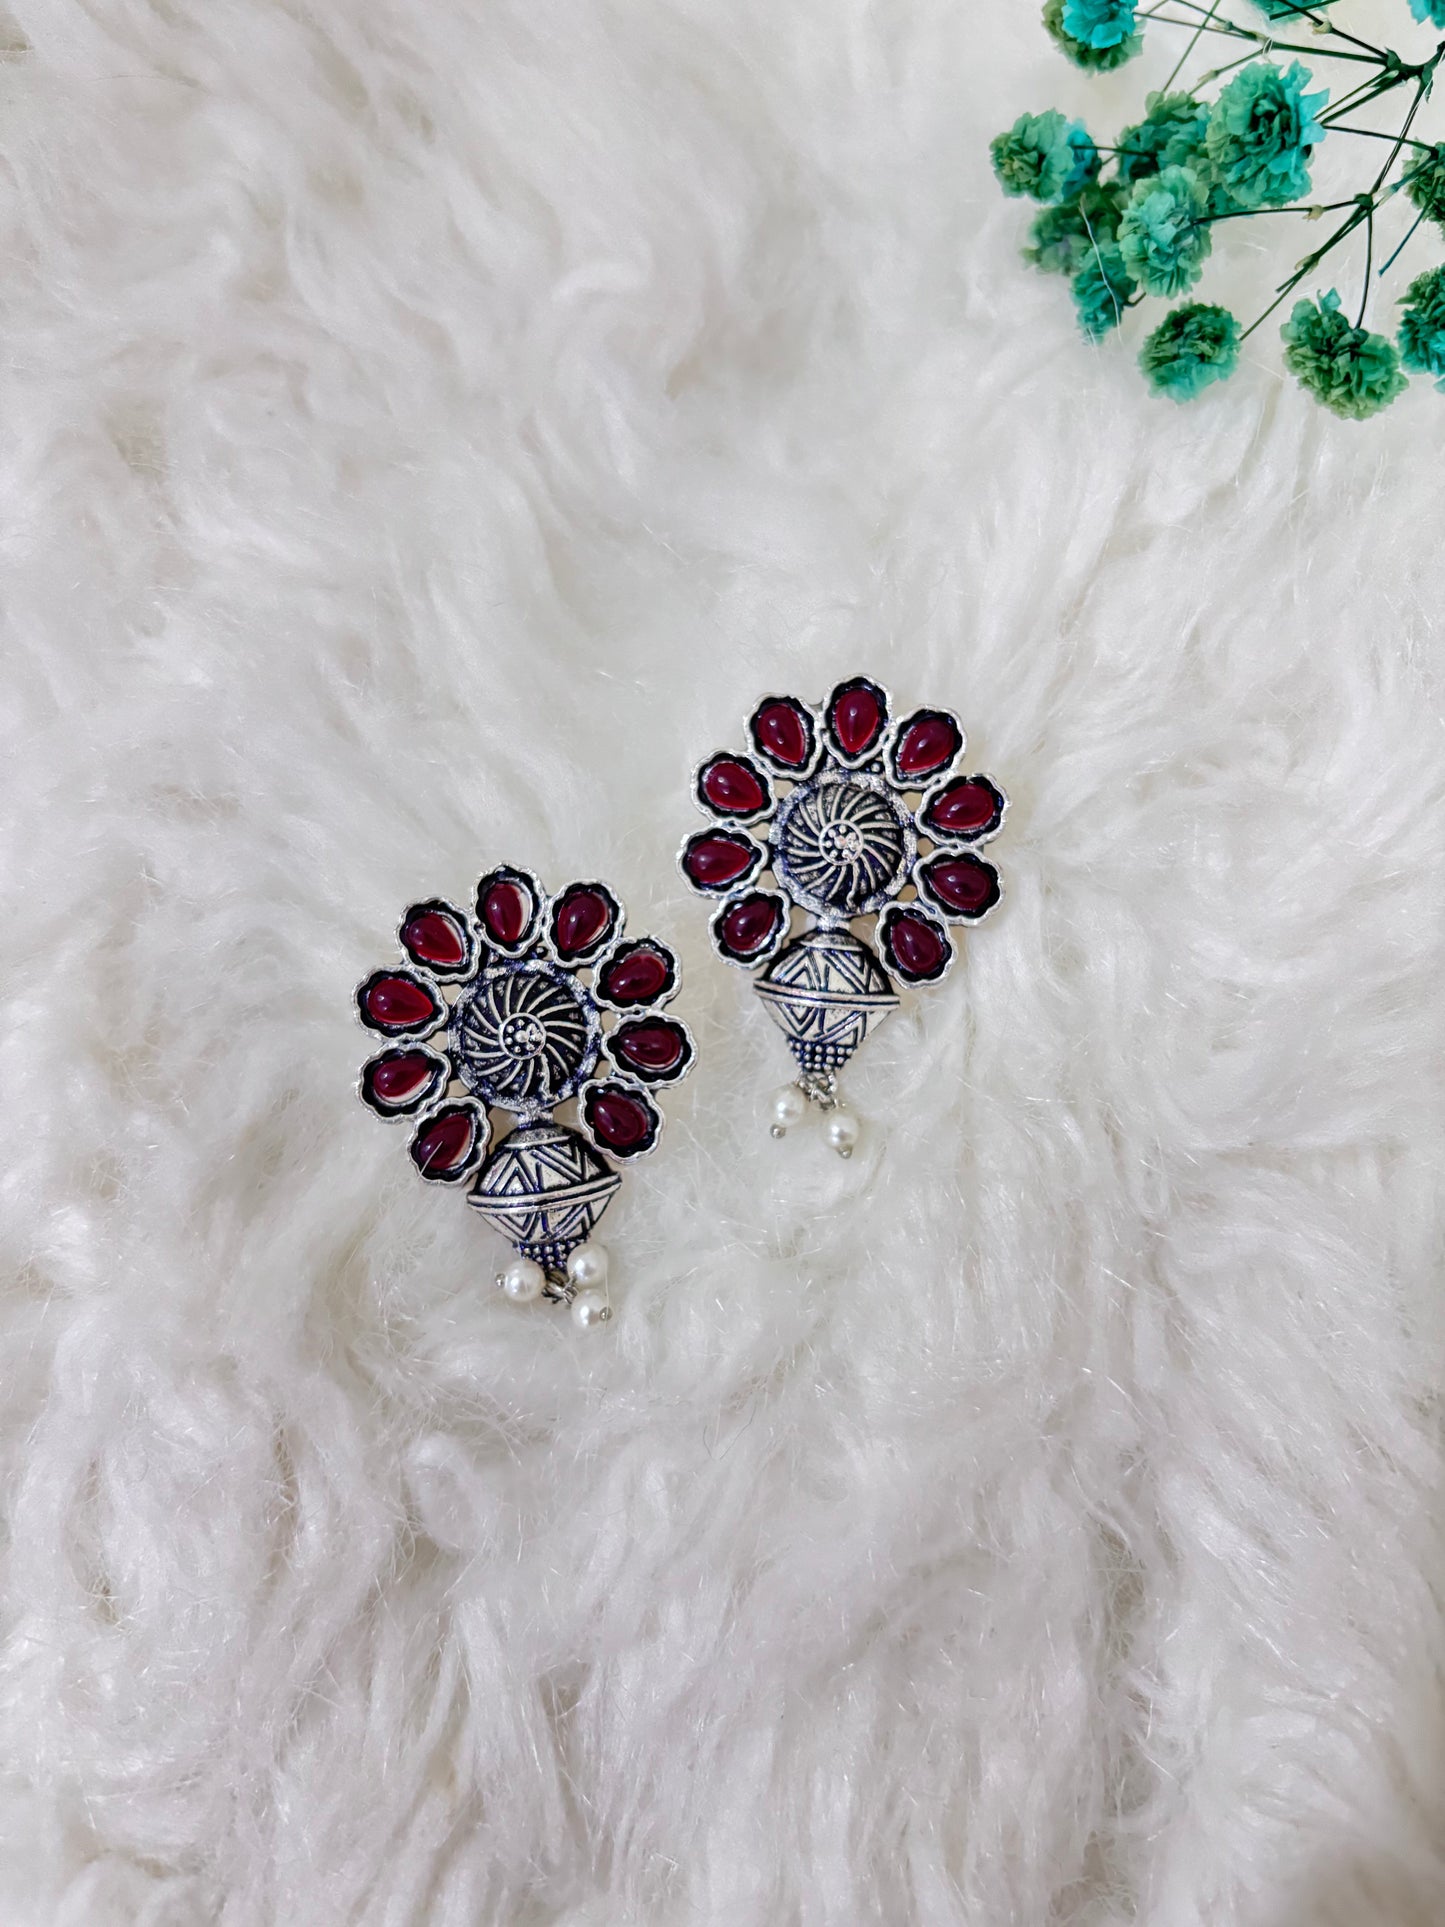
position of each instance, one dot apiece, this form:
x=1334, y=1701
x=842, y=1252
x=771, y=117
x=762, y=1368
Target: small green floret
x=1102, y=289
x=1097, y=60
x=1161, y=237
x=1425, y=183
x=1194, y=345
x=1261, y=131
x=1045, y=157
x=1171, y=134
x=1422, y=326
x=1431, y=10
x=1353, y=372
x=1099, y=23
x=1062, y=238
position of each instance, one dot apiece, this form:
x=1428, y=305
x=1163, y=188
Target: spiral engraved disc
x=525, y=1037
x=843, y=845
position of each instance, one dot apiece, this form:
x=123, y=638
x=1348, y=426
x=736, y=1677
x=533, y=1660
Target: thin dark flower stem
x=1422, y=89
x=1218, y=73
x=1262, y=41
x=1409, y=236
x=1360, y=96
x=1307, y=266
x=1374, y=134
x=1369, y=264
x=1190, y=45
x=1217, y=26
x=1326, y=26
x=1352, y=103
x=1331, y=30
x=1296, y=207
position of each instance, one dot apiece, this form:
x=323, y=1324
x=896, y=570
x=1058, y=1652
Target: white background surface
x=427, y=427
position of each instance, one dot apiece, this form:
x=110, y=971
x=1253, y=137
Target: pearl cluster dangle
x=583, y=1285
x=791, y=1104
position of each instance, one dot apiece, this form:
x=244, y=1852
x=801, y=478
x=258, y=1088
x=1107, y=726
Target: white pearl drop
x=587, y=1266
x=523, y=1280
x=843, y=1132
x=590, y=1308
x=789, y=1108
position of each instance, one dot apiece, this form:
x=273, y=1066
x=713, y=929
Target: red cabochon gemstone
x=916, y=946
x=655, y=1044
x=927, y=744
x=505, y=910
x=399, y=1002
x=733, y=787
x=713, y=861
x=445, y=1143
x=750, y=923
x=619, y=1119
x=964, y=883
x=785, y=731
x=636, y=977
x=396, y=1079
x=582, y=917
x=435, y=938
x=965, y=808
x=857, y=719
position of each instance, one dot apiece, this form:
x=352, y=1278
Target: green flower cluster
x=1260, y=133
x=1084, y=53
x=1422, y=327
x=1171, y=134
x=1161, y=237
x=1353, y=372
x=1062, y=238
x=1102, y=290
x=1425, y=184
x=1193, y=346
x=1137, y=220
x=1045, y=157
x=1098, y=23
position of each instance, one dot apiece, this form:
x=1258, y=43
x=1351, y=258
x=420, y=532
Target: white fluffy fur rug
x=427, y=425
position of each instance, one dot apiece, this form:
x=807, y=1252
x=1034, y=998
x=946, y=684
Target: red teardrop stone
x=713, y=861
x=431, y=936
x=916, y=946
x=749, y=924
x=505, y=910
x=582, y=917
x=655, y=1045
x=857, y=718
x=636, y=977
x=399, y=1002
x=965, y=808
x=619, y=1119
x=733, y=787
x=785, y=730
x=964, y=883
x=927, y=744
x=445, y=1143
x=396, y=1078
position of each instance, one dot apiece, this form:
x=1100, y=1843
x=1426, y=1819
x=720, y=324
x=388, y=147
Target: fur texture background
x=427, y=425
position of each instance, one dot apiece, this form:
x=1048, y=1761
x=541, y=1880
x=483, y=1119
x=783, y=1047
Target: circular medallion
x=525, y=1036
x=843, y=845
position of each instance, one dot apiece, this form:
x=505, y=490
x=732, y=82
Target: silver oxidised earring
x=855, y=816
x=527, y=1005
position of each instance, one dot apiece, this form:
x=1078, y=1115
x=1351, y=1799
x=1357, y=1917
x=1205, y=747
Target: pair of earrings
x=532, y=1002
